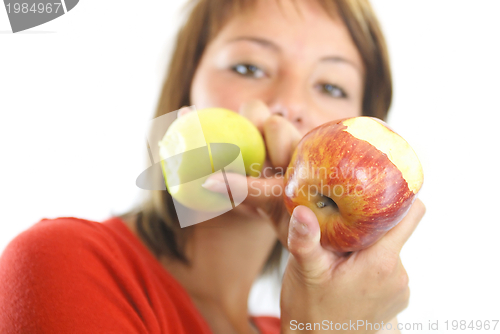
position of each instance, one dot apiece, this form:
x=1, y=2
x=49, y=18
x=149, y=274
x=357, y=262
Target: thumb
x=308, y=257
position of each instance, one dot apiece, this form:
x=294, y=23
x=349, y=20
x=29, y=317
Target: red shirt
x=70, y=275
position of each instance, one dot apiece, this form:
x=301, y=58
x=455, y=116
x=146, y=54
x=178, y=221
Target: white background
x=76, y=92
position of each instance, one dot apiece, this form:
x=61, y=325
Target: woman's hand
x=369, y=286
x=265, y=193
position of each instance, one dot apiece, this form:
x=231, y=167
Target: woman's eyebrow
x=273, y=46
x=261, y=41
x=338, y=59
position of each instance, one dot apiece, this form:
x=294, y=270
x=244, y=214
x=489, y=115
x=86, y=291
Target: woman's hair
x=157, y=222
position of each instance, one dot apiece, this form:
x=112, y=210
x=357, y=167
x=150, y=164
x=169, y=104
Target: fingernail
x=183, y=111
x=300, y=228
x=215, y=185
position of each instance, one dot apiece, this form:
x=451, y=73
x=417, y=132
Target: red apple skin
x=370, y=203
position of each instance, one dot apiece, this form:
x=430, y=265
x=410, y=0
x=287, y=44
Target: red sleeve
x=63, y=277
x=268, y=325
x=70, y=275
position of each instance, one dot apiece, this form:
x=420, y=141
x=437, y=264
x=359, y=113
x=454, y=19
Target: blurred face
x=296, y=59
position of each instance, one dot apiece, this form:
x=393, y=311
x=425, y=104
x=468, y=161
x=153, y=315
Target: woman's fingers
x=280, y=135
x=308, y=256
x=264, y=194
x=184, y=110
x=261, y=191
x=395, y=239
x=256, y=111
x=281, y=139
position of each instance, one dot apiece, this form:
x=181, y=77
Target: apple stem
x=327, y=201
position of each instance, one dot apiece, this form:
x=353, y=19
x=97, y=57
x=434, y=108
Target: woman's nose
x=288, y=100
x=294, y=115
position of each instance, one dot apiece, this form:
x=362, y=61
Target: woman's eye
x=248, y=70
x=333, y=91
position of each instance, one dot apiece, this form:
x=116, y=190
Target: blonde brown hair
x=156, y=222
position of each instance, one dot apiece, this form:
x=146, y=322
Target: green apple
x=195, y=146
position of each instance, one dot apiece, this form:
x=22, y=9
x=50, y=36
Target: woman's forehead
x=285, y=9
x=291, y=25
x=280, y=18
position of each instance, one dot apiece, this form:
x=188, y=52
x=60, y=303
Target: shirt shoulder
x=62, y=274
x=58, y=276
x=56, y=236
x=70, y=275
x=73, y=275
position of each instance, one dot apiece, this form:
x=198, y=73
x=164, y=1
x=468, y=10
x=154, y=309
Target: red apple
x=358, y=176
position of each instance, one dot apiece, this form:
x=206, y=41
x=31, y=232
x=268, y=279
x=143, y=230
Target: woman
x=288, y=66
